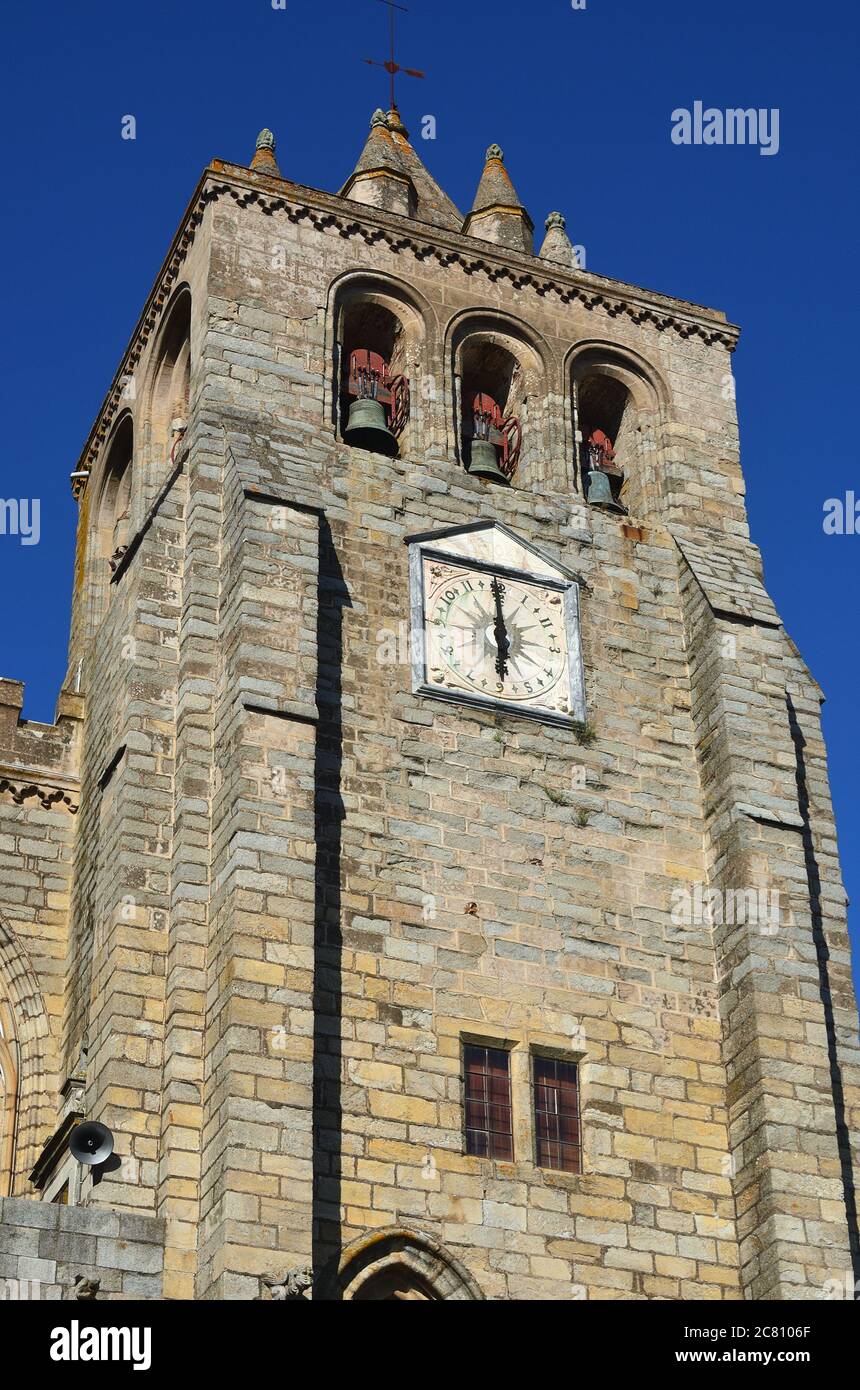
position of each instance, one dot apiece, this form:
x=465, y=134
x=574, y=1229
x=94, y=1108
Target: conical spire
x=264, y=155
x=390, y=175
x=557, y=245
x=379, y=179
x=497, y=214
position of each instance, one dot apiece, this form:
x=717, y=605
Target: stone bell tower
x=430, y=879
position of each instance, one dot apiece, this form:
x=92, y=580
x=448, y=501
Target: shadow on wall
x=823, y=956
x=333, y=597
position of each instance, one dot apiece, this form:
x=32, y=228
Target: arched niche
x=492, y=356
x=113, y=513
x=400, y=1264
x=382, y=317
x=619, y=394
x=170, y=377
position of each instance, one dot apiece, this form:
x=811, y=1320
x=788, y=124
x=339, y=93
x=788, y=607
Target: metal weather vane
x=392, y=67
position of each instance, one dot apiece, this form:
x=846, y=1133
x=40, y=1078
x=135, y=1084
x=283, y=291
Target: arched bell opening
x=492, y=396
x=171, y=381
x=606, y=423
x=617, y=429
x=374, y=385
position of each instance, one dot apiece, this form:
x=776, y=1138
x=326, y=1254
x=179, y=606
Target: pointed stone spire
x=557, y=245
x=264, y=155
x=390, y=175
x=380, y=179
x=497, y=214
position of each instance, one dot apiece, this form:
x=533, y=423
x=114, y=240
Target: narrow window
x=556, y=1114
x=489, y=1132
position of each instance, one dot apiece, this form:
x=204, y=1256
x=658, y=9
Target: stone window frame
x=522, y=1045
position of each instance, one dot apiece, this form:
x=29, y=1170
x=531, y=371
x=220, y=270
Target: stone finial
x=264, y=154
x=497, y=214
x=378, y=118
x=557, y=246
x=395, y=123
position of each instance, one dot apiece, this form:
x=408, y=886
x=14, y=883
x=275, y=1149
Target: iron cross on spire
x=391, y=67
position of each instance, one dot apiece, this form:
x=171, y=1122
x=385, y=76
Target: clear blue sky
x=581, y=102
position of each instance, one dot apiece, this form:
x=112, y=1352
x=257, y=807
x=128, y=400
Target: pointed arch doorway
x=398, y=1264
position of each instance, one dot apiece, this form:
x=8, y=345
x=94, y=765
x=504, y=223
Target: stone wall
x=46, y=1248
x=39, y=799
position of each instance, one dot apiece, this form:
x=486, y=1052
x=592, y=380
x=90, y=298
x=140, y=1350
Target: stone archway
x=403, y=1265
x=34, y=1056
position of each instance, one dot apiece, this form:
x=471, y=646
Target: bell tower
x=450, y=906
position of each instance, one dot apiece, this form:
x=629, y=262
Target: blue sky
x=581, y=101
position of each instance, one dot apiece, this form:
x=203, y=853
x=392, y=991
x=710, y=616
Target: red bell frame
x=369, y=379
x=506, y=433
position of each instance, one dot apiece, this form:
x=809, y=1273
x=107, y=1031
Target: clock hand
x=500, y=631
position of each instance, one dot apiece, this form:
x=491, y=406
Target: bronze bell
x=367, y=427
x=599, y=491
x=484, y=462
x=488, y=438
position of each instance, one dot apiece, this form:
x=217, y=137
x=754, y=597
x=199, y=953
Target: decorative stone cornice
x=48, y=797
x=326, y=211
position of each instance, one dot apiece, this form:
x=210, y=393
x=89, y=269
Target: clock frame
x=483, y=553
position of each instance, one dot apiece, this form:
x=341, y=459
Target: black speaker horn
x=91, y=1142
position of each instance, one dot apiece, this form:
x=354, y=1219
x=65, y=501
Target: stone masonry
x=256, y=893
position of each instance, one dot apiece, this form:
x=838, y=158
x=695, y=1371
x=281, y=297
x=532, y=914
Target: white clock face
x=496, y=637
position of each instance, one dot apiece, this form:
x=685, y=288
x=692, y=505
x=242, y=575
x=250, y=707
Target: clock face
x=496, y=637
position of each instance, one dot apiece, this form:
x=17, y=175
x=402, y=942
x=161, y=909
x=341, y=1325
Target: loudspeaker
x=91, y=1142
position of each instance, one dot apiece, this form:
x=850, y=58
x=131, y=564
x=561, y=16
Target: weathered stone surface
x=256, y=892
